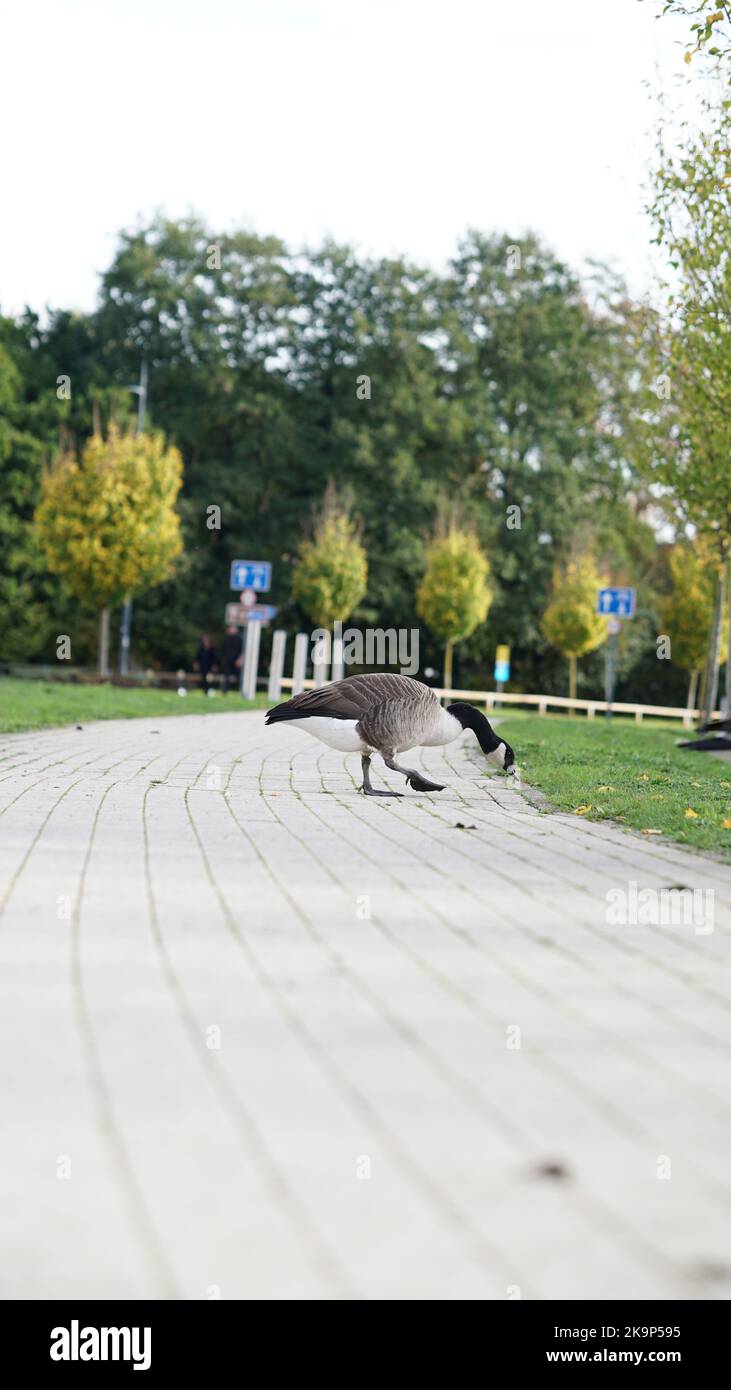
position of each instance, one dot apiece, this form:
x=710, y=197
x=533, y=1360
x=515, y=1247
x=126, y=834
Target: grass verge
x=628, y=773
x=31, y=704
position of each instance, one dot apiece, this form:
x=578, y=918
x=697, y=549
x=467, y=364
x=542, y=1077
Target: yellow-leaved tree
x=571, y=622
x=454, y=596
x=331, y=573
x=106, y=520
x=687, y=613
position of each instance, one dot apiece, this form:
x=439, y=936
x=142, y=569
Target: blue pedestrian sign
x=251, y=574
x=618, y=603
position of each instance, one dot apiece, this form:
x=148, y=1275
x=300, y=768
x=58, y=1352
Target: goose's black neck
x=474, y=719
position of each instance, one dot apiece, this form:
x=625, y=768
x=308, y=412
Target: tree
x=24, y=607
x=692, y=430
x=504, y=381
x=107, y=522
x=571, y=622
x=331, y=573
x=454, y=595
x=687, y=612
x=711, y=26
x=545, y=367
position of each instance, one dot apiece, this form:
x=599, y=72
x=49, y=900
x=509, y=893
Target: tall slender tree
x=107, y=523
x=454, y=595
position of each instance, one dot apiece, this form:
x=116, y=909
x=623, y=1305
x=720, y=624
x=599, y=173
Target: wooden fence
x=494, y=699
x=276, y=682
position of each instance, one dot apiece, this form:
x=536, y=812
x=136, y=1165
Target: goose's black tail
x=281, y=712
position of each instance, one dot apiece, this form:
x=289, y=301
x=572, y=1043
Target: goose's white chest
x=444, y=729
x=336, y=733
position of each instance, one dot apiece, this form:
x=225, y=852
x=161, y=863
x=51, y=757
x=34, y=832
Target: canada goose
x=718, y=738
x=386, y=714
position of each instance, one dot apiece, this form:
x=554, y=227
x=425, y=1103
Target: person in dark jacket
x=231, y=657
x=206, y=661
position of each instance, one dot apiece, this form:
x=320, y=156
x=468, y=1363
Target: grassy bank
x=625, y=772
x=31, y=704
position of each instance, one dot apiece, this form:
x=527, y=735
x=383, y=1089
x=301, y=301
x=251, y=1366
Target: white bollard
x=276, y=669
x=299, y=669
x=250, y=668
x=321, y=659
x=338, y=666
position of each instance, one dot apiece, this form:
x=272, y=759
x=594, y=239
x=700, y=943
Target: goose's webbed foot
x=422, y=784
x=367, y=789
x=414, y=779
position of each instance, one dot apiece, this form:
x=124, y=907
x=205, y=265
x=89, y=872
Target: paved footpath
x=262, y=1037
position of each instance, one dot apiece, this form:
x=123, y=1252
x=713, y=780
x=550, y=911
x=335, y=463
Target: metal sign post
x=614, y=604
x=611, y=664
x=125, y=629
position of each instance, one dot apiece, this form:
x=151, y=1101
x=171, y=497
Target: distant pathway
x=262, y=1037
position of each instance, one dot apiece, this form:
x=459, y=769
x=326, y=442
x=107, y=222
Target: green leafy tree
x=691, y=424
x=687, y=612
x=548, y=375
x=571, y=622
x=107, y=522
x=24, y=607
x=331, y=573
x=503, y=379
x=454, y=595
x=710, y=26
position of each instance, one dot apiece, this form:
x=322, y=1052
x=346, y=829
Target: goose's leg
x=367, y=789
x=414, y=779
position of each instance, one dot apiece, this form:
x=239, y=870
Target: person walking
x=206, y=661
x=232, y=647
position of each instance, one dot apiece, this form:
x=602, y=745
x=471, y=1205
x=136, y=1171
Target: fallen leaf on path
x=651, y=832
x=727, y=825
x=581, y=810
x=690, y=814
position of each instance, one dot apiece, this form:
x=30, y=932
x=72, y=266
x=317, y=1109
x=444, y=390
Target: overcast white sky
x=394, y=124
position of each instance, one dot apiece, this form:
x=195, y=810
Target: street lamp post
x=125, y=629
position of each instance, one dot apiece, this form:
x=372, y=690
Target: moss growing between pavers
x=633, y=774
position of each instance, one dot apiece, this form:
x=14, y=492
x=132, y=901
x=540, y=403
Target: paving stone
x=290, y=1042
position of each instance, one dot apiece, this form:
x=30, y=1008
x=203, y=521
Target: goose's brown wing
x=351, y=698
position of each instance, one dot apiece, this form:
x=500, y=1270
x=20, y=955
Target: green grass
x=35, y=704
x=628, y=773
